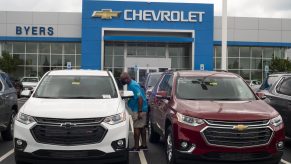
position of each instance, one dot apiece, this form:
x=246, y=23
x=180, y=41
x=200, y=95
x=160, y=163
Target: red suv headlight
x=189, y=120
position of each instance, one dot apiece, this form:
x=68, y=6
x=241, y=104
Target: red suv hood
x=227, y=111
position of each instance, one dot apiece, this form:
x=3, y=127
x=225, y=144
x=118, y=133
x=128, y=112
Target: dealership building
x=141, y=37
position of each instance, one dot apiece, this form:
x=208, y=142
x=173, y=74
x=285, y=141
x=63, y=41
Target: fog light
x=120, y=143
x=184, y=144
x=280, y=145
x=19, y=142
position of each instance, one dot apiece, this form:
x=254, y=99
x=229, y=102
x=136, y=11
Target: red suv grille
x=235, y=138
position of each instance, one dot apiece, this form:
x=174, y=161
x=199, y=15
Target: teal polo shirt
x=137, y=91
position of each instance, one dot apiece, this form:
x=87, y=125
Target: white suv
x=73, y=115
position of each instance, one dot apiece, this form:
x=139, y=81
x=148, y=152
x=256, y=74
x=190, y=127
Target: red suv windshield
x=213, y=88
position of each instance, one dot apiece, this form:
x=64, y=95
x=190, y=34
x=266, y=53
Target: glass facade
x=114, y=53
x=36, y=58
x=248, y=62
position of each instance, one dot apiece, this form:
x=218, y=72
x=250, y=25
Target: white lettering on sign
x=169, y=16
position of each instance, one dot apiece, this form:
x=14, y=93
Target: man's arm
x=140, y=103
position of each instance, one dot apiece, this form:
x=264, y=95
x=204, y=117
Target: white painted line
x=140, y=153
x=285, y=162
x=6, y=155
x=142, y=157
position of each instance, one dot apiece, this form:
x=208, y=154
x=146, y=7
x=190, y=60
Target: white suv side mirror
x=126, y=94
x=26, y=93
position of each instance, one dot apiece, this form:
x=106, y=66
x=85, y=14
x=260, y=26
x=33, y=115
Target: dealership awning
x=149, y=39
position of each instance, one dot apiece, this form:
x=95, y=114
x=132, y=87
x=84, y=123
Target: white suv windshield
x=76, y=87
x=213, y=88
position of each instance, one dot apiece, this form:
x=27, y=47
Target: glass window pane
x=245, y=63
x=118, y=61
x=279, y=53
x=31, y=47
x=69, y=48
x=19, y=72
x=44, y=60
x=218, y=51
x=57, y=48
x=78, y=48
x=256, y=75
x=233, y=51
x=30, y=71
x=131, y=49
x=78, y=60
x=44, y=48
x=20, y=57
x=119, y=49
x=56, y=60
x=232, y=63
x=181, y=62
x=155, y=49
x=31, y=59
x=256, y=64
x=245, y=74
x=141, y=49
x=69, y=58
x=108, y=61
x=268, y=52
x=218, y=63
x=108, y=49
x=8, y=47
x=257, y=52
x=42, y=70
x=245, y=52
x=18, y=47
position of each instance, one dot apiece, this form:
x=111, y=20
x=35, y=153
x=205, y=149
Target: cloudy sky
x=242, y=8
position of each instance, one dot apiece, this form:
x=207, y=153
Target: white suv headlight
x=115, y=119
x=25, y=119
x=189, y=120
x=277, y=121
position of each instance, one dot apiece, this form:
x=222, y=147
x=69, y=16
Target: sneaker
x=143, y=147
x=133, y=149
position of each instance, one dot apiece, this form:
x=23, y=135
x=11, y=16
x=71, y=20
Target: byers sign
x=151, y=15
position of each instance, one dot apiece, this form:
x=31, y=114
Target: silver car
x=8, y=107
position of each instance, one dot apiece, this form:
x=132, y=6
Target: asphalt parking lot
x=155, y=154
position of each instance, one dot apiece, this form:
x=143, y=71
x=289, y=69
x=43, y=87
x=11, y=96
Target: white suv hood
x=72, y=108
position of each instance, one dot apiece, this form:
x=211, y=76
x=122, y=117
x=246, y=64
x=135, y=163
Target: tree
x=8, y=64
x=280, y=65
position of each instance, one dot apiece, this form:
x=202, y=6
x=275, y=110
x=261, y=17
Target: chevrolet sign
x=151, y=15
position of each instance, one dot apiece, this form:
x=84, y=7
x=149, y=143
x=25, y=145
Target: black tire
x=19, y=162
x=7, y=135
x=170, y=147
x=154, y=137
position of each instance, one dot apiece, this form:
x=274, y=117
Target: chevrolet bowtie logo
x=106, y=14
x=240, y=127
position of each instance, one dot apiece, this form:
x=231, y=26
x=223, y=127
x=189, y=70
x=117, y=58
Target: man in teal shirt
x=139, y=107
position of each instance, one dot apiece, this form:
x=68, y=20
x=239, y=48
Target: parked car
x=8, y=107
x=29, y=83
x=73, y=115
x=254, y=84
x=279, y=97
x=269, y=81
x=213, y=116
x=151, y=81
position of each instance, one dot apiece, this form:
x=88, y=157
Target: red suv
x=213, y=117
